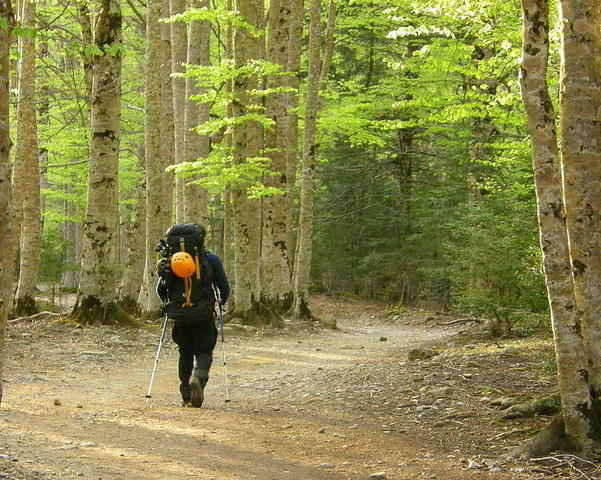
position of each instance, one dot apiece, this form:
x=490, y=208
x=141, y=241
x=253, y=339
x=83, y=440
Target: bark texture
x=28, y=181
x=276, y=287
x=148, y=301
x=98, y=279
x=580, y=101
x=196, y=199
x=295, y=41
x=136, y=244
x=72, y=237
x=6, y=262
x=167, y=122
x=305, y=239
x=247, y=142
x=85, y=22
x=229, y=238
x=567, y=328
x=329, y=44
x=179, y=41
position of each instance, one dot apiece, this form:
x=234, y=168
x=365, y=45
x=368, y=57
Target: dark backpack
x=192, y=304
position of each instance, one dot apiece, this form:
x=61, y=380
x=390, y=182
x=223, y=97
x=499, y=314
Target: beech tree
x=167, y=125
x=195, y=208
x=292, y=82
x=580, y=141
x=136, y=247
x=27, y=169
x=6, y=262
x=179, y=42
x=152, y=140
x=247, y=145
x=305, y=239
x=567, y=327
x=275, y=251
x=98, y=280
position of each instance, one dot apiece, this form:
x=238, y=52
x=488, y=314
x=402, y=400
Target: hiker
x=191, y=282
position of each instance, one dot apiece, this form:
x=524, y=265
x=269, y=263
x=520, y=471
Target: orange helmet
x=183, y=265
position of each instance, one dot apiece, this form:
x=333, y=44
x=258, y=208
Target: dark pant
x=197, y=343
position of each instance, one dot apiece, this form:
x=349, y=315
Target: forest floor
x=307, y=403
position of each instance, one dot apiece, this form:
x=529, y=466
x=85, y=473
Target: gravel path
x=306, y=404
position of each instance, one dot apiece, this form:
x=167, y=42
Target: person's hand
x=163, y=267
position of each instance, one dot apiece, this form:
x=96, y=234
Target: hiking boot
x=197, y=386
x=184, y=390
x=200, y=377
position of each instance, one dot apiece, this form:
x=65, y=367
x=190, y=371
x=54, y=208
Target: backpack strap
x=197, y=260
x=187, y=292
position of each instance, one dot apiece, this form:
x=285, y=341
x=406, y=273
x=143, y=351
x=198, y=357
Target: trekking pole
x=156, y=358
x=217, y=295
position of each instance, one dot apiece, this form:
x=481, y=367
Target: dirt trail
x=76, y=409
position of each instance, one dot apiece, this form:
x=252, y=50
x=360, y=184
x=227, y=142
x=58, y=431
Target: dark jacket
x=219, y=277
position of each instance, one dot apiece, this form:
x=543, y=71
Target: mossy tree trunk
x=98, y=280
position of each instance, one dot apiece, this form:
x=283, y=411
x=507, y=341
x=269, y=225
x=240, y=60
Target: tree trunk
x=167, y=123
x=6, y=262
x=305, y=248
x=179, y=41
x=72, y=237
x=295, y=41
x=98, y=279
x=248, y=143
x=581, y=156
x=229, y=238
x=13, y=245
x=567, y=328
x=276, y=288
x=28, y=182
x=85, y=23
x=328, y=51
x=149, y=302
x=196, y=199
x=136, y=246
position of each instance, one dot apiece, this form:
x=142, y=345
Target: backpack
x=189, y=301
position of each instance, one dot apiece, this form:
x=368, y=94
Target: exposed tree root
x=91, y=311
x=303, y=313
x=260, y=314
x=540, y=406
x=35, y=316
x=26, y=306
x=551, y=439
x=460, y=321
x=130, y=305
